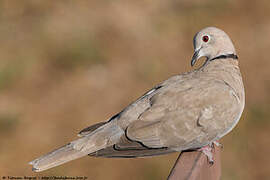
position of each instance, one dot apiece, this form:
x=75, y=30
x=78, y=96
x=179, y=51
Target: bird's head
x=211, y=42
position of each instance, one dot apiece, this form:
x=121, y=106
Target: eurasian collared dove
x=187, y=111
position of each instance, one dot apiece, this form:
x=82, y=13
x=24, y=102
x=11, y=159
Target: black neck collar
x=225, y=56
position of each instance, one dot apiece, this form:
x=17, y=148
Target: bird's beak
x=195, y=56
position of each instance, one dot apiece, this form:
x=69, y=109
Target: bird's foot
x=207, y=150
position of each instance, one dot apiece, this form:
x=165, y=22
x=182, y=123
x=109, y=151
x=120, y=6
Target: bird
x=188, y=111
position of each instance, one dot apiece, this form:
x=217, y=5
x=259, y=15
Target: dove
x=189, y=111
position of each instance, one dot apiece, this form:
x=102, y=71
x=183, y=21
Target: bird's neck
x=219, y=64
x=222, y=69
x=226, y=70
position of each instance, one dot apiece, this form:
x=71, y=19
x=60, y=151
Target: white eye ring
x=205, y=38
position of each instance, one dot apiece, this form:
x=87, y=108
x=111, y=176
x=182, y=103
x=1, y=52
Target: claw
x=207, y=150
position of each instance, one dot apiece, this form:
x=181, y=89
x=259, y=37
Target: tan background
x=66, y=65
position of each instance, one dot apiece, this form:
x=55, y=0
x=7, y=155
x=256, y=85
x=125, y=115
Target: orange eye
x=205, y=38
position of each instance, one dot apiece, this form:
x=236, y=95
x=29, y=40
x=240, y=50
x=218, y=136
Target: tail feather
x=57, y=157
x=100, y=138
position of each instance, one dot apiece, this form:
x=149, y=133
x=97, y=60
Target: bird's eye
x=205, y=38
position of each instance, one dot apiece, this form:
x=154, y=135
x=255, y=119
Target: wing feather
x=185, y=115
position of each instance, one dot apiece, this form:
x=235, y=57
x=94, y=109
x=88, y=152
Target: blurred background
x=67, y=65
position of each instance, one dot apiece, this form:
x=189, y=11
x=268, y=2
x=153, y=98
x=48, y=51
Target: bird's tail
x=57, y=157
x=100, y=138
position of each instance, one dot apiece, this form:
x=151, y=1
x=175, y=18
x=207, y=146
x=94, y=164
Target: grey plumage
x=187, y=111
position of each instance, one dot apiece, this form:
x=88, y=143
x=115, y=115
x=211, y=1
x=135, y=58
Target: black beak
x=195, y=57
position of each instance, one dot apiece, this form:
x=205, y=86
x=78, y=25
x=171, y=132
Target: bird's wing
x=127, y=148
x=90, y=129
x=187, y=114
